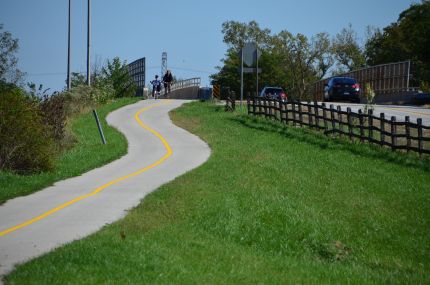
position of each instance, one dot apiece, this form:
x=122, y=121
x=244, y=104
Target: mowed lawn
x=273, y=205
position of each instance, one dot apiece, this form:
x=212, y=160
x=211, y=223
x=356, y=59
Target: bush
x=116, y=74
x=54, y=114
x=26, y=144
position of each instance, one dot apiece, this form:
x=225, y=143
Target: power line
x=192, y=69
x=51, y=73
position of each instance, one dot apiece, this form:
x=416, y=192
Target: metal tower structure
x=163, y=64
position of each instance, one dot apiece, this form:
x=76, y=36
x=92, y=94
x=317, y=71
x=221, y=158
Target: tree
x=323, y=57
x=406, y=39
x=288, y=61
x=78, y=79
x=8, y=60
x=236, y=34
x=304, y=60
x=348, y=53
x=116, y=73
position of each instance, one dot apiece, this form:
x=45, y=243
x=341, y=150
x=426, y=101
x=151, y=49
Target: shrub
x=78, y=100
x=116, y=73
x=25, y=141
x=54, y=114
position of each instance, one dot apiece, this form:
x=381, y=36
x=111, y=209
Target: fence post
x=333, y=123
x=253, y=105
x=293, y=110
x=269, y=101
x=408, y=133
x=316, y=111
x=248, y=101
x=259, y=106
x=393, y=133
x=265, y=107
x=361, y=120
x=382, y=119
x=420, y=135
x=370, y=114
x=339, y=112
x=311, y=121
x=325, y=117
x=280, y=108
x=348, y=118
x=300, y=113
x=286, y=111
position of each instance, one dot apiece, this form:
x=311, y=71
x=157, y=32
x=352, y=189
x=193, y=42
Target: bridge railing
x=185, y=83
x=383, y=79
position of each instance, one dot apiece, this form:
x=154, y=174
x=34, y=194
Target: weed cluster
x=33, y=127
x=26, y=136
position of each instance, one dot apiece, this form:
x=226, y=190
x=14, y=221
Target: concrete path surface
x=158, y=152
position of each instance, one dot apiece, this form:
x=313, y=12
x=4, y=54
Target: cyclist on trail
x=156, y=86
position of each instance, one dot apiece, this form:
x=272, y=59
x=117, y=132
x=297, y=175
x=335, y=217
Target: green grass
x=273, y=205
x=88, y=153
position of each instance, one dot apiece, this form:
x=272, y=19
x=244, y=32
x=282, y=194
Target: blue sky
x=188, y=30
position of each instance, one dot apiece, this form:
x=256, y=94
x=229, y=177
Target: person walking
x=167, y=79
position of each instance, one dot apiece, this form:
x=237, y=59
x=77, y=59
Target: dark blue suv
x=342, y=88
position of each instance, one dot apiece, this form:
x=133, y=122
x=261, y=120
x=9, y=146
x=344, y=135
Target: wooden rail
x=386, y=132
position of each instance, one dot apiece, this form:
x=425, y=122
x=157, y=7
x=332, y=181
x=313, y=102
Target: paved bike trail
x=158, y=151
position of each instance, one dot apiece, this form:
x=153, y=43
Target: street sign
x=250, y=54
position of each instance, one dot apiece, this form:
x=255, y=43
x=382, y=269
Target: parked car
x=274, y=93
x=342, y=88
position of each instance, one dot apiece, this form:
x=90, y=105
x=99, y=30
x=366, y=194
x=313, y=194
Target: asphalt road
x=414, y=112
x=158, y=152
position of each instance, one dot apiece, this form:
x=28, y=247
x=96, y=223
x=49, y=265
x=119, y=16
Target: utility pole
x=89, y=44
x=69, y=79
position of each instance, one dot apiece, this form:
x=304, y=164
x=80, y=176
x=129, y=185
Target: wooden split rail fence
x=388, y=132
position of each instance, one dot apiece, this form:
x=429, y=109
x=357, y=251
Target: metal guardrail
x=185, y=83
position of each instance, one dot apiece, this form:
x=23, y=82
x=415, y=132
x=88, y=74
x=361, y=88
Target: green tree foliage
x=26, y=140
x=116, y=73
x=406, y=39
x=8, y=60
x=78, y=79
x=289, y=61
x=108, y=81
x=304, y=60
x=347, y=51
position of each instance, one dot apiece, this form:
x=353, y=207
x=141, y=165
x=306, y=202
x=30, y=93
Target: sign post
x=249, y=55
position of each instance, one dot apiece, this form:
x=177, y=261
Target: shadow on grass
x=306, y=135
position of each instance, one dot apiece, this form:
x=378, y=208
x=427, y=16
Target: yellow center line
x=168, y=153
